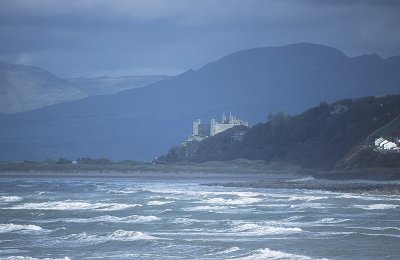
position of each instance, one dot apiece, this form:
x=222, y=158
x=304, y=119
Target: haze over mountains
x=24, y=88
x=142, y=123
x=111, y=85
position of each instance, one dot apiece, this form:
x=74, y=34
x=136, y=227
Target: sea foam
x=73, y=205
x=267, y=253
x=376, y=206
x=118, y=235
x=10, y=199
x=158, y=203
x=107, y=218
x=239, y=201
x=34, y=258
x=6, y=228
x=256, y=229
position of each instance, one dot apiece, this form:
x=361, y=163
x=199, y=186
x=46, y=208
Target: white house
x=389, y=145
x=382, y=144
x=378, y=141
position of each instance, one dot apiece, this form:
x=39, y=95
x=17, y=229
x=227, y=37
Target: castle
x=188, y=149
x=213, y=128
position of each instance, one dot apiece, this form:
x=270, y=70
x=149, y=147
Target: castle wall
x=214, y=127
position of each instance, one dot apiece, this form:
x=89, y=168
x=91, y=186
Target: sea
x=138, y=218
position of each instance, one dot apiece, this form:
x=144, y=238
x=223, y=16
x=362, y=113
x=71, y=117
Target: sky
x=88, y=38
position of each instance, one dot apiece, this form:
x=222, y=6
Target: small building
x=378, y=141
x=389, y=146
x=382, y=144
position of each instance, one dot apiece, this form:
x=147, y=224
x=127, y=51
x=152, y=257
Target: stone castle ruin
x=214, y=127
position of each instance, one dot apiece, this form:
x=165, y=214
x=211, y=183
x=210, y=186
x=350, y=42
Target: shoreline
x=237, y=173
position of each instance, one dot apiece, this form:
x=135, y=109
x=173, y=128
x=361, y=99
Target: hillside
x=142, y=123
x=319, y=137
x=24, y=88
x=111, y=85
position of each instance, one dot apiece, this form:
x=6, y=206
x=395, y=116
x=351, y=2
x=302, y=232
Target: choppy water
x=133, y=219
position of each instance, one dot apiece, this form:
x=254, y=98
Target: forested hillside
x=319, y=137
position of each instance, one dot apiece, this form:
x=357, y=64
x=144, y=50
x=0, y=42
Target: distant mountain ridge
x=110, y=85
x=143, y=123
x=24, y=88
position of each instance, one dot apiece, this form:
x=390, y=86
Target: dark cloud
x=93, y=37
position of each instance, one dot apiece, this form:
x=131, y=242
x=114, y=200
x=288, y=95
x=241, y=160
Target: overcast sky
x=132, y=37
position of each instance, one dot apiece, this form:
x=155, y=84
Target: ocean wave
x=265, y=230
x=306, y=198
x=7, y=228
x=119, y=190
x=34, y=258
x=187, y=221
x=376, y=206
x=118, y=235
x=225, y=252
x=209, y=208
x=158, y=203
x=125, y=235
x=202, y=193
x=107, y=218
x=368, y=197
x=331, y=221
x=311, y=205
x=240, y=201
x=266, y=253
x=73, y=205
x=305, y=179
x=10, y=199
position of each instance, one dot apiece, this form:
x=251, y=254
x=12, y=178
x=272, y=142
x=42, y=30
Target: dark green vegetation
x=323, y=137
x=145, y=122
x=125, y=168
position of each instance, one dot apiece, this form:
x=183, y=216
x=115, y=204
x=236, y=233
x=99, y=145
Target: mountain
x=111, y=85
x=338, y=135
x=24, y=88
x=144, y=122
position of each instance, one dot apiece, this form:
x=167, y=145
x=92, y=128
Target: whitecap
x=305, y=179
x=266, y=253
x=73, y=205
x=307, y=198
x=264, y=230
x=108, y=218
x=125, y=235
x=10, y=199
x=312, y=205
x=158, y=203
x=34, y=258
x=6, y=228
x=240, y=201
x=118, y=235
x=376, y=206
x=331, y=220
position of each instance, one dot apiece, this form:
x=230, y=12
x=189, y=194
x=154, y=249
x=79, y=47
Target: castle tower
x=195, y=127
x=223, y=118
x=213, y=127
x=230, y=118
